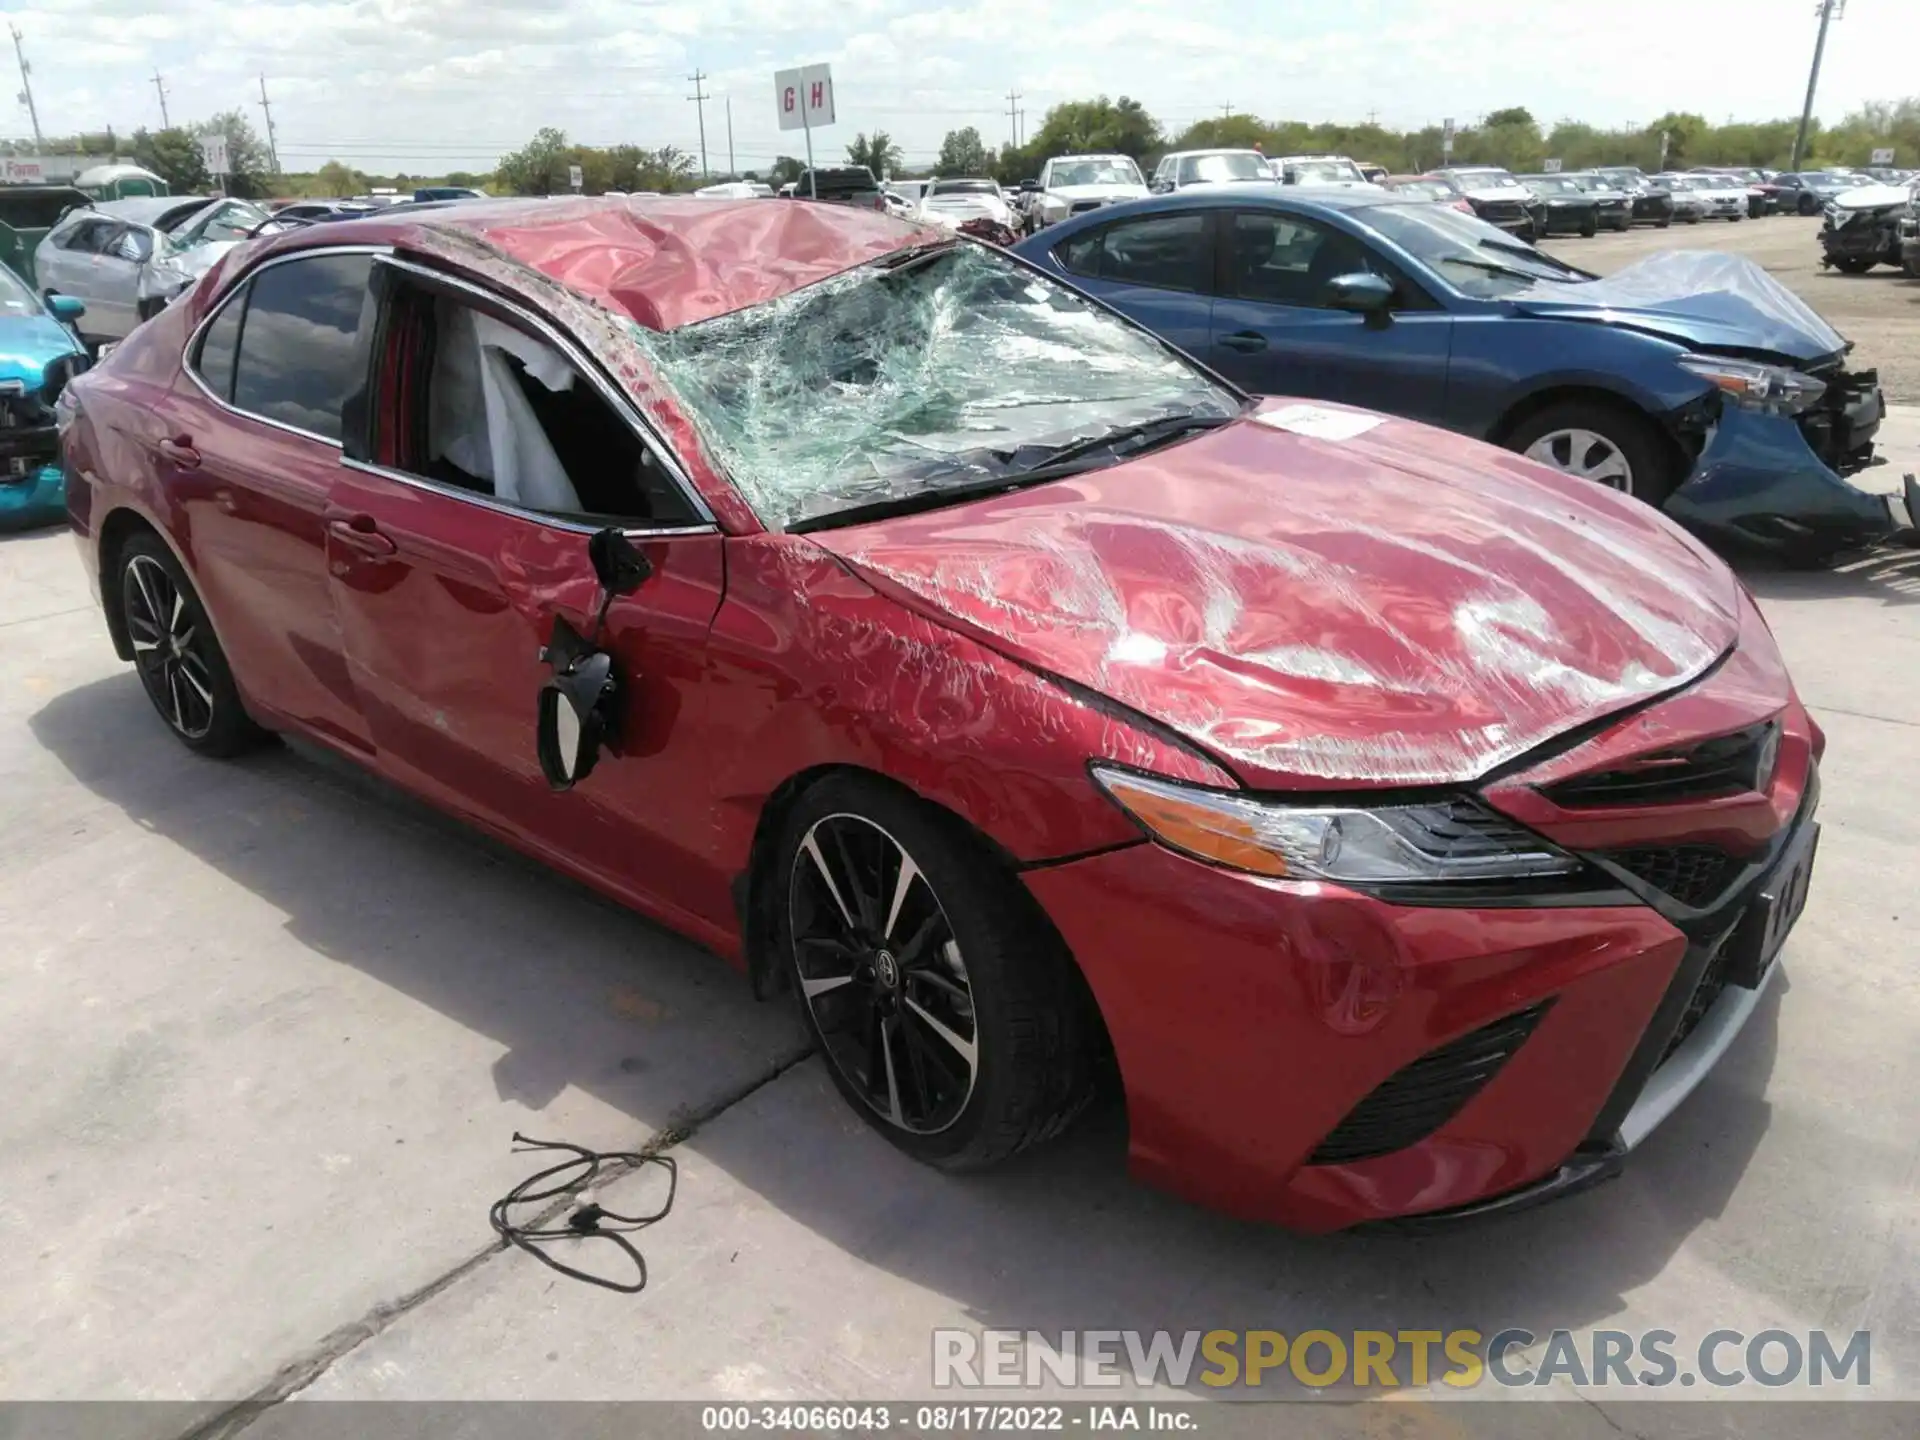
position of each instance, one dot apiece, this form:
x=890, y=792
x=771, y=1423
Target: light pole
x=1829, y=10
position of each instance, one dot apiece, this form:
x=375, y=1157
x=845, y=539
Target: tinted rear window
x=298, y=358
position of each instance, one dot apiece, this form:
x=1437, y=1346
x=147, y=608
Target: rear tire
x=178, y=658
x=1852, y=264
x=949, y=1013
x=1589, y=230
x=1607, y=442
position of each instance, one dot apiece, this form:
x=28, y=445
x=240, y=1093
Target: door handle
x=360, y=534
x=179, y=449
x=1247, y=342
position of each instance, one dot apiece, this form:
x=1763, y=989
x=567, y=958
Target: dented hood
x=1697, y=298
x=1398, y=606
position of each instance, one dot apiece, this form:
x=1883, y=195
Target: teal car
x=39, y=354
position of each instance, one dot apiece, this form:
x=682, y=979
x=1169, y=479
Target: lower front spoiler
x=1593, y=1165
x=35, y=499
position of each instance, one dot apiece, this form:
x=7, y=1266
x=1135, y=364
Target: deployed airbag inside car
x=481, y=420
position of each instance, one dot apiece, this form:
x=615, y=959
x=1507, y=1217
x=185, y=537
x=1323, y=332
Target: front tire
x=1609, y=444
x=948, y=1011
x=1852, y=264
x=178, y=658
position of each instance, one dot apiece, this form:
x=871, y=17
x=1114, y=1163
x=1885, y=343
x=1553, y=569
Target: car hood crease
x=1405, y=607
x=1697, y=298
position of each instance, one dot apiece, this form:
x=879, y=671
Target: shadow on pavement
x=1889, y=575
x=1059, y=1240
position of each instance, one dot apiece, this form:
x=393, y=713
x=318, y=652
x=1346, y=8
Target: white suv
x=1074, y=184
x=1210, y=167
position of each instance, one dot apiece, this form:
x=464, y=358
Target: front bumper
x=32, y=499
x=1775, y=482
x=1861, y=237
x=1653, y=207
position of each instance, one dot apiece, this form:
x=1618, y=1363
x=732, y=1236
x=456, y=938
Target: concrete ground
x=266, y=1029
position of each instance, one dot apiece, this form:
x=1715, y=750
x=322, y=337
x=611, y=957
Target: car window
x=219, y=343
x=230, y=222
x=85, y=237
x=478, y=404
x=298, y=360
x=1284, y=260
x=1167, y=251
x=133, y=244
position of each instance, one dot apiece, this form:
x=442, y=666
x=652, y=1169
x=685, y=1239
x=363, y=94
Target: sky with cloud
x=433, y=85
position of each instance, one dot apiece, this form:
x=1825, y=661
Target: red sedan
x=1409, y=825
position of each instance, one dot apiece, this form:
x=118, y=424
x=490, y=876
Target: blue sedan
x=1692, y=380
x=39, y=353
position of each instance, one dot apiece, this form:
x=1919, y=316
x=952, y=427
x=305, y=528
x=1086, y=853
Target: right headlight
x=1771, y=389
x=1455, y=840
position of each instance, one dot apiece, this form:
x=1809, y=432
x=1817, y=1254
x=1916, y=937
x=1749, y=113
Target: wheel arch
x=1580, y=392
x=120, y=526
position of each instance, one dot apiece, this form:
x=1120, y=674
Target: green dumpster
x=27, y=212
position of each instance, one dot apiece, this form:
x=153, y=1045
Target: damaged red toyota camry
x=1409, y=826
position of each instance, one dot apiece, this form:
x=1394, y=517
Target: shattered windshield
x=1324, y=172
x=940, y=371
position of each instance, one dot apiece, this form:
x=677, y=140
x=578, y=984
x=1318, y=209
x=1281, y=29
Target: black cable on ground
x=587, y=1222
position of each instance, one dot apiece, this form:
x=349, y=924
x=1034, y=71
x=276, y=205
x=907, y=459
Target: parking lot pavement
x=266, y=1030
x=1879, y=311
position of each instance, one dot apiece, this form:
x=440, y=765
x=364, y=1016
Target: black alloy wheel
x=948, y=1012
x=176, y=655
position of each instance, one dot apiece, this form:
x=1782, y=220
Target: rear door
x=497, y=451
x=1156, y=269
x=251, y=449
x=64, y=265
x=1273, y=332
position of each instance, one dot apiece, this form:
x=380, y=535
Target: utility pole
x=731, y=168
x=1020, y=128
x=1013, y=116
x=160, y=88
x=699, y=98
x=26, y=88
x=1226, y=111
x=1829, y=10
x=273, y=149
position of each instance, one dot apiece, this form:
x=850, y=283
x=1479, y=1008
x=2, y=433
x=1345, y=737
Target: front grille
x=1725, y=765
x=1419, y=1098
x=1695, y=875
x=1500, y=209
x=1840, y=426
x=1712, y=981
x=1081, y=207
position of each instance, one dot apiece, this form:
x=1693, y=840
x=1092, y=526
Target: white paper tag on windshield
x=1319, y=423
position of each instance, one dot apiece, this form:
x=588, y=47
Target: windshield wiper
x=916, y=254
x=1146, y=433
x=932, y=498
x=1067, y=460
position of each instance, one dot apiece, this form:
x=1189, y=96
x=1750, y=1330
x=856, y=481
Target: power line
x=699, y=99
x=26, y=87
x=273, y=150
x=160, y=88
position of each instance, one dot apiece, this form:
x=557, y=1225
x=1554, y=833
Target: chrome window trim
x=188, y=354
x=583, y=363
x=542, y=517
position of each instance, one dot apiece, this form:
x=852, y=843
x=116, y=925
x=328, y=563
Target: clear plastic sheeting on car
x=1703, y=285
x=947, y=369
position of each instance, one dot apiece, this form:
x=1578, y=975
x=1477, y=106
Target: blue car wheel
x=1610, y=445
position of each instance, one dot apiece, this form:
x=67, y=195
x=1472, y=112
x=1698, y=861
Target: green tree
x=538, y=167
x=786, y=171
x=1223, y=132
x=1097, y=126
x=879, y=154
x=963, y=152
x=250, y=161
x=335, y=179
x=1514, y=115
x=173, y=155
x=1684, y=132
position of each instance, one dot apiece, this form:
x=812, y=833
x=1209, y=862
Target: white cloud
x=439, y=84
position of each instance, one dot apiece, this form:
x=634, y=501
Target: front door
x=452, y=553
x=1273, y=333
